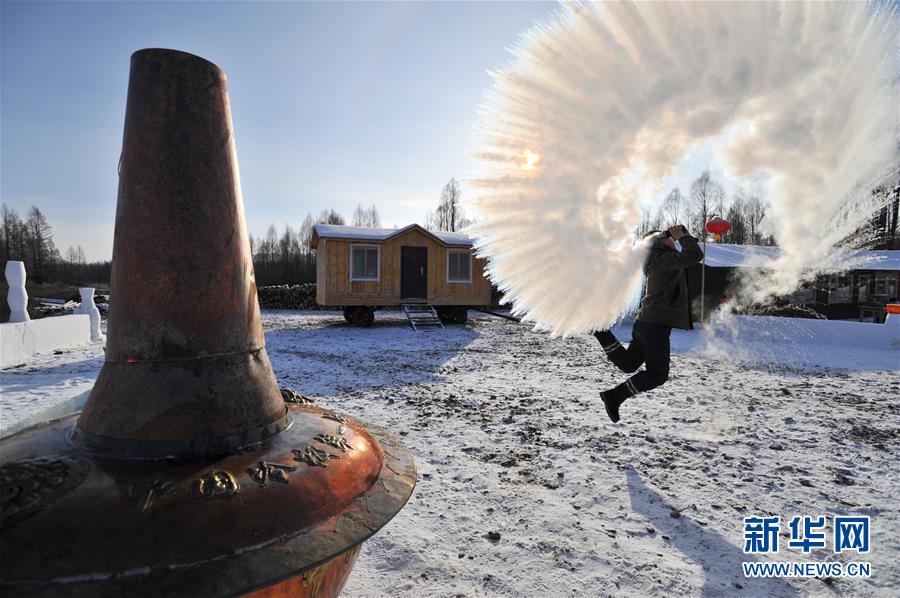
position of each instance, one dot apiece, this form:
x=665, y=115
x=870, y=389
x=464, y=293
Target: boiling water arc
x=601, y=103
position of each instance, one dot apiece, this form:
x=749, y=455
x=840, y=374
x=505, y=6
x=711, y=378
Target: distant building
x=871, y=281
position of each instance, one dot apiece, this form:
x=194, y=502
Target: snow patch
x=20, y=340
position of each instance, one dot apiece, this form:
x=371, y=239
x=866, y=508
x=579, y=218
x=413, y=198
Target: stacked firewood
x=299, y=296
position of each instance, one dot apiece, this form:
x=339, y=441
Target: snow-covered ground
x=526, y=489
x=48, y=378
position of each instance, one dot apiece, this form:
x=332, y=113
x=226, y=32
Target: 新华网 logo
x=806, y=533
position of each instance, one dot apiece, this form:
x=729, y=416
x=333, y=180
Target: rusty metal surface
x=185, y=351
x=190, y=408
x=325, y=581
x=193, y=527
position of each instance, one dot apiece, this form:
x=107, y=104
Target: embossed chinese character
x=314, y=456
x=292, y=396
x=216, y=484
x=335, y=417
x=265, y=472
x=334, y=441
x=147, y=493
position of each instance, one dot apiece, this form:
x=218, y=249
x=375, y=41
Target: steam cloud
x=601, y=103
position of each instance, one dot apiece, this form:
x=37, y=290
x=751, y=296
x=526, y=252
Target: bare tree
x=331, y=217
x=359, y=216
x=374, y=217
x=269, y=245
x=449, y=214
x=737, y=218
x=366, y=217
x=671, y=212
x=41, y=250
x=4, y=236
x=72, y=268
x=647, y=223
x=755, y=212
x=707, y=199
x=306, y=232
x=13, y=234
x=450, y=199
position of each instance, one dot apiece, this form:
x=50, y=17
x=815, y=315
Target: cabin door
x=414, y=272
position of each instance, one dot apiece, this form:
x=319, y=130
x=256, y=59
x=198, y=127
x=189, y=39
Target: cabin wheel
x=348, y=314
x=363, y=316
x=452, y=315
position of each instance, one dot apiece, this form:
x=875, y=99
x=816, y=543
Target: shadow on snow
x=720, y=559
x=335, y=356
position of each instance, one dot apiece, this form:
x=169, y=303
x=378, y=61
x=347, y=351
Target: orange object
x=893, y=308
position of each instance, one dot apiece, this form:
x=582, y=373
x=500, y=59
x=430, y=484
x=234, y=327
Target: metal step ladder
x=422, y=316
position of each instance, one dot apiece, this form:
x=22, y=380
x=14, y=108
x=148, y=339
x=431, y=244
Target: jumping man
x=665, y=305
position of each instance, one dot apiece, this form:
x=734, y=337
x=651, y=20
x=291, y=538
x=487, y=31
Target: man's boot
x=614, y=397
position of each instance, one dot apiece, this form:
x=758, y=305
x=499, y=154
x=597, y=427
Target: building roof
x=361, y=233
x=723, y=255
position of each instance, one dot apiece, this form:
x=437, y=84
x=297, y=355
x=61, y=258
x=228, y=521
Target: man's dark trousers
x=649, y=345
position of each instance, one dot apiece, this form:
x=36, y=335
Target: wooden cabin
x=363, y=269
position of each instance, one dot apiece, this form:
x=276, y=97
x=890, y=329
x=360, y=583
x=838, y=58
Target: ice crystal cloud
x=601, y=103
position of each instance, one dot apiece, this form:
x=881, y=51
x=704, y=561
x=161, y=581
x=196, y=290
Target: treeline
x=287, y=258
x=743, y=209
x=746, y=212
x=30, y=240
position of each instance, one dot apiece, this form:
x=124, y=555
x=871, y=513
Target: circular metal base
x=324, y=581
x=74, y=523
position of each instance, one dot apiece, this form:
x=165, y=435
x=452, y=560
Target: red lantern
x=717, y=226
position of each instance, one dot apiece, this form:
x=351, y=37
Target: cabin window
x=364, y=262
x=839, y=290
x=459, y=266
x=886, y=286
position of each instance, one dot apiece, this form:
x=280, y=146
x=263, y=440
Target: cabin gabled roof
x=361, y=233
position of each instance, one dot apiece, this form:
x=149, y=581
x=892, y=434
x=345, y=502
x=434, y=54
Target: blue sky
x=333, y=103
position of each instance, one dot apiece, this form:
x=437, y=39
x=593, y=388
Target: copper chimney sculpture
x=189, y=472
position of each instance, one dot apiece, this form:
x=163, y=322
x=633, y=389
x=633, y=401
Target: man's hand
x=677, y=231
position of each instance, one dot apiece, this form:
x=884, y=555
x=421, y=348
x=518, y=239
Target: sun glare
x=531, y=160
